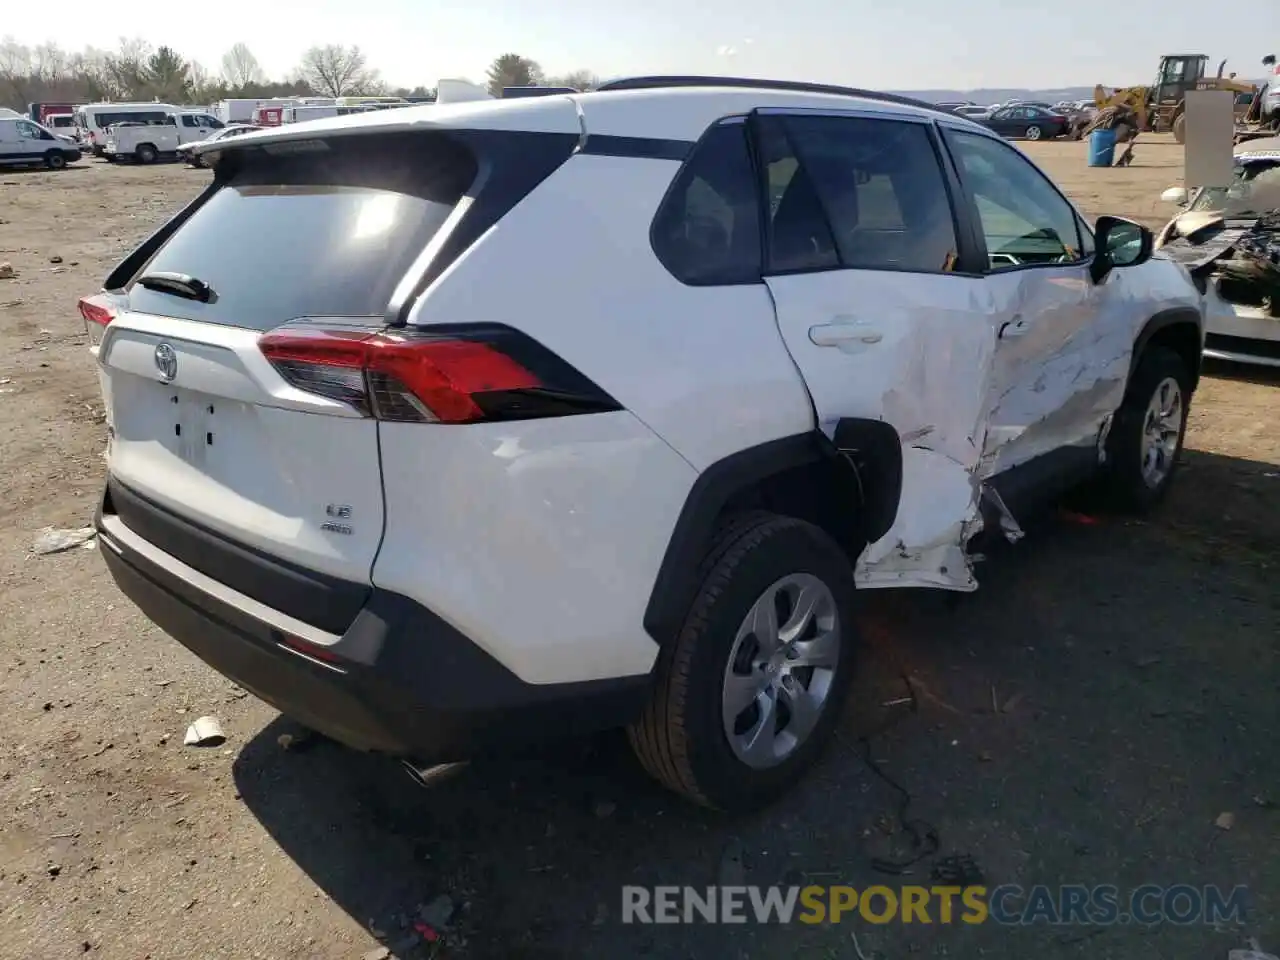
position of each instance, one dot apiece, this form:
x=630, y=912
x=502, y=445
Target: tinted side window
x=189, y=121
x=1024, y=219
x=882, y=189
x=799, y=235
x=707, y=231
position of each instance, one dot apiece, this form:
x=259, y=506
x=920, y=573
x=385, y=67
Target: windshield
x=1256, y=191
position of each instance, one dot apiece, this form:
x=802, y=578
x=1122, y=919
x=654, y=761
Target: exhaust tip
x=431, y=774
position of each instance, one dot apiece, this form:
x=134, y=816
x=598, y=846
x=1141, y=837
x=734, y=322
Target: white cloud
x=726, y=51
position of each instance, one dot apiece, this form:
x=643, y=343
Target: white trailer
x=236, y=110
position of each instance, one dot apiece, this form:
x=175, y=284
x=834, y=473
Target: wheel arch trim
x=1172, y=317
x=869, y=450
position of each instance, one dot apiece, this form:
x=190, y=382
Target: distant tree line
x=135, y=70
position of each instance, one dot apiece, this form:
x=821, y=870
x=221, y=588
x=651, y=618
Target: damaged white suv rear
x=453, y=428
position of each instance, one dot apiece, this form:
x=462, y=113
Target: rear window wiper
x=178, y=284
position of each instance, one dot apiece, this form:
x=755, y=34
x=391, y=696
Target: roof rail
x=799, y=86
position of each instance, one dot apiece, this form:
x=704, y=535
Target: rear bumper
x=399, y=680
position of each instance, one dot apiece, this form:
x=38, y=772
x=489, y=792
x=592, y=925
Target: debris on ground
x=298, y=739
x=205, y=732
x=54, y=540
x=1225, y=821
x=605, y=809
x=55, y=259
x=438, y=913
x=1252, y=952
x=7, y=272
x=377, y=953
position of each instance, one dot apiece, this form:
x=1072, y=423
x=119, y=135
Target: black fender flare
x=868, y=451
x=1174, y=316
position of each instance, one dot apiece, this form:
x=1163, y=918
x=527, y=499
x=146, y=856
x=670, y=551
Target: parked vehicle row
x=146, y=142
x=1028, y=119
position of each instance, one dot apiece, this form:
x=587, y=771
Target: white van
x=92, y=119
x=24, y=142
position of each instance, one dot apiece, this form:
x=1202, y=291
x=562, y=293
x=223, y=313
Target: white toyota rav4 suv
x=452, y=428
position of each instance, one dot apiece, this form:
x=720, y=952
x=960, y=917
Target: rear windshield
x=317, y=228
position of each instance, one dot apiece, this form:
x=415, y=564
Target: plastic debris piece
x=437, y=913
x=54, y=540
x=205, y=732
x=1225, y=821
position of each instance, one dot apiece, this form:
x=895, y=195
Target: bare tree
x=16, y=82
x=127, y=68
x=513, y=70
x=338, y=71
x=204, y=87
x=48, y=63
x=240, y=67
x=92, y=73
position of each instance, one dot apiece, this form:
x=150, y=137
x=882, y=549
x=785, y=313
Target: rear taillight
x=448, y=374
x=97, y=309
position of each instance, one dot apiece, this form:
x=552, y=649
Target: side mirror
x=1175, y=195
x=1120, y=243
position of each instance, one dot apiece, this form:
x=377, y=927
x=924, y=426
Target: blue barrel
x=1102, y=148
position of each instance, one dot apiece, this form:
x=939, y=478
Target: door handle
x=835, y=334
x=1015, y=327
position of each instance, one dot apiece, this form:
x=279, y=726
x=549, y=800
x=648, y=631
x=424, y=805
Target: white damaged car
x=450, y=428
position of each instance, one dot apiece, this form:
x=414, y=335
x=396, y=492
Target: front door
x=874, y=304
x=31, y=141
x=1063, y=344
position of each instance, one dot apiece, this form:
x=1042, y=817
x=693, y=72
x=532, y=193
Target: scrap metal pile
x=1241, y=256
x=1256, y=263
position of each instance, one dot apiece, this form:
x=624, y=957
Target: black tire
x=1034, y=132
x=145, y=153
x=1180, y=128
x=1125, y=484
x=55, y=160
x=680, y=738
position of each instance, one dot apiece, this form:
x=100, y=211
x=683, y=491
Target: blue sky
x=914, y=44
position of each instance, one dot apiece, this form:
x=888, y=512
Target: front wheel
x=1146, y=438
x=751, y=689
x=54, y=160
x=1180, y=128
x=1034, y=133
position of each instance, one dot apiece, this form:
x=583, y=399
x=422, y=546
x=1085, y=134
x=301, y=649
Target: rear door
x=203, y=425
x=865, y=262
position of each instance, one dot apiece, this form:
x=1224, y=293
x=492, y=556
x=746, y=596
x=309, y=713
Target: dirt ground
x=1085, y=717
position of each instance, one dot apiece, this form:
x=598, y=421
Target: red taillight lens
x=96, y=310
x=461, y=374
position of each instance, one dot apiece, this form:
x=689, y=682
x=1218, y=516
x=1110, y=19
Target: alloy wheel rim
x=1161, y=432
x=781, y=669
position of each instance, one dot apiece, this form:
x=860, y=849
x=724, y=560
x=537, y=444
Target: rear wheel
x=1034, y=133
x=751, y=689
x=145, y=153
x=54, y=160
x=1146, y=437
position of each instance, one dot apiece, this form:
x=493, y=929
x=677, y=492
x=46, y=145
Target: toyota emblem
x=166, y=362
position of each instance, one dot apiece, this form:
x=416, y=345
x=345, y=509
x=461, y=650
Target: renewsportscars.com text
x=1009, y=904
